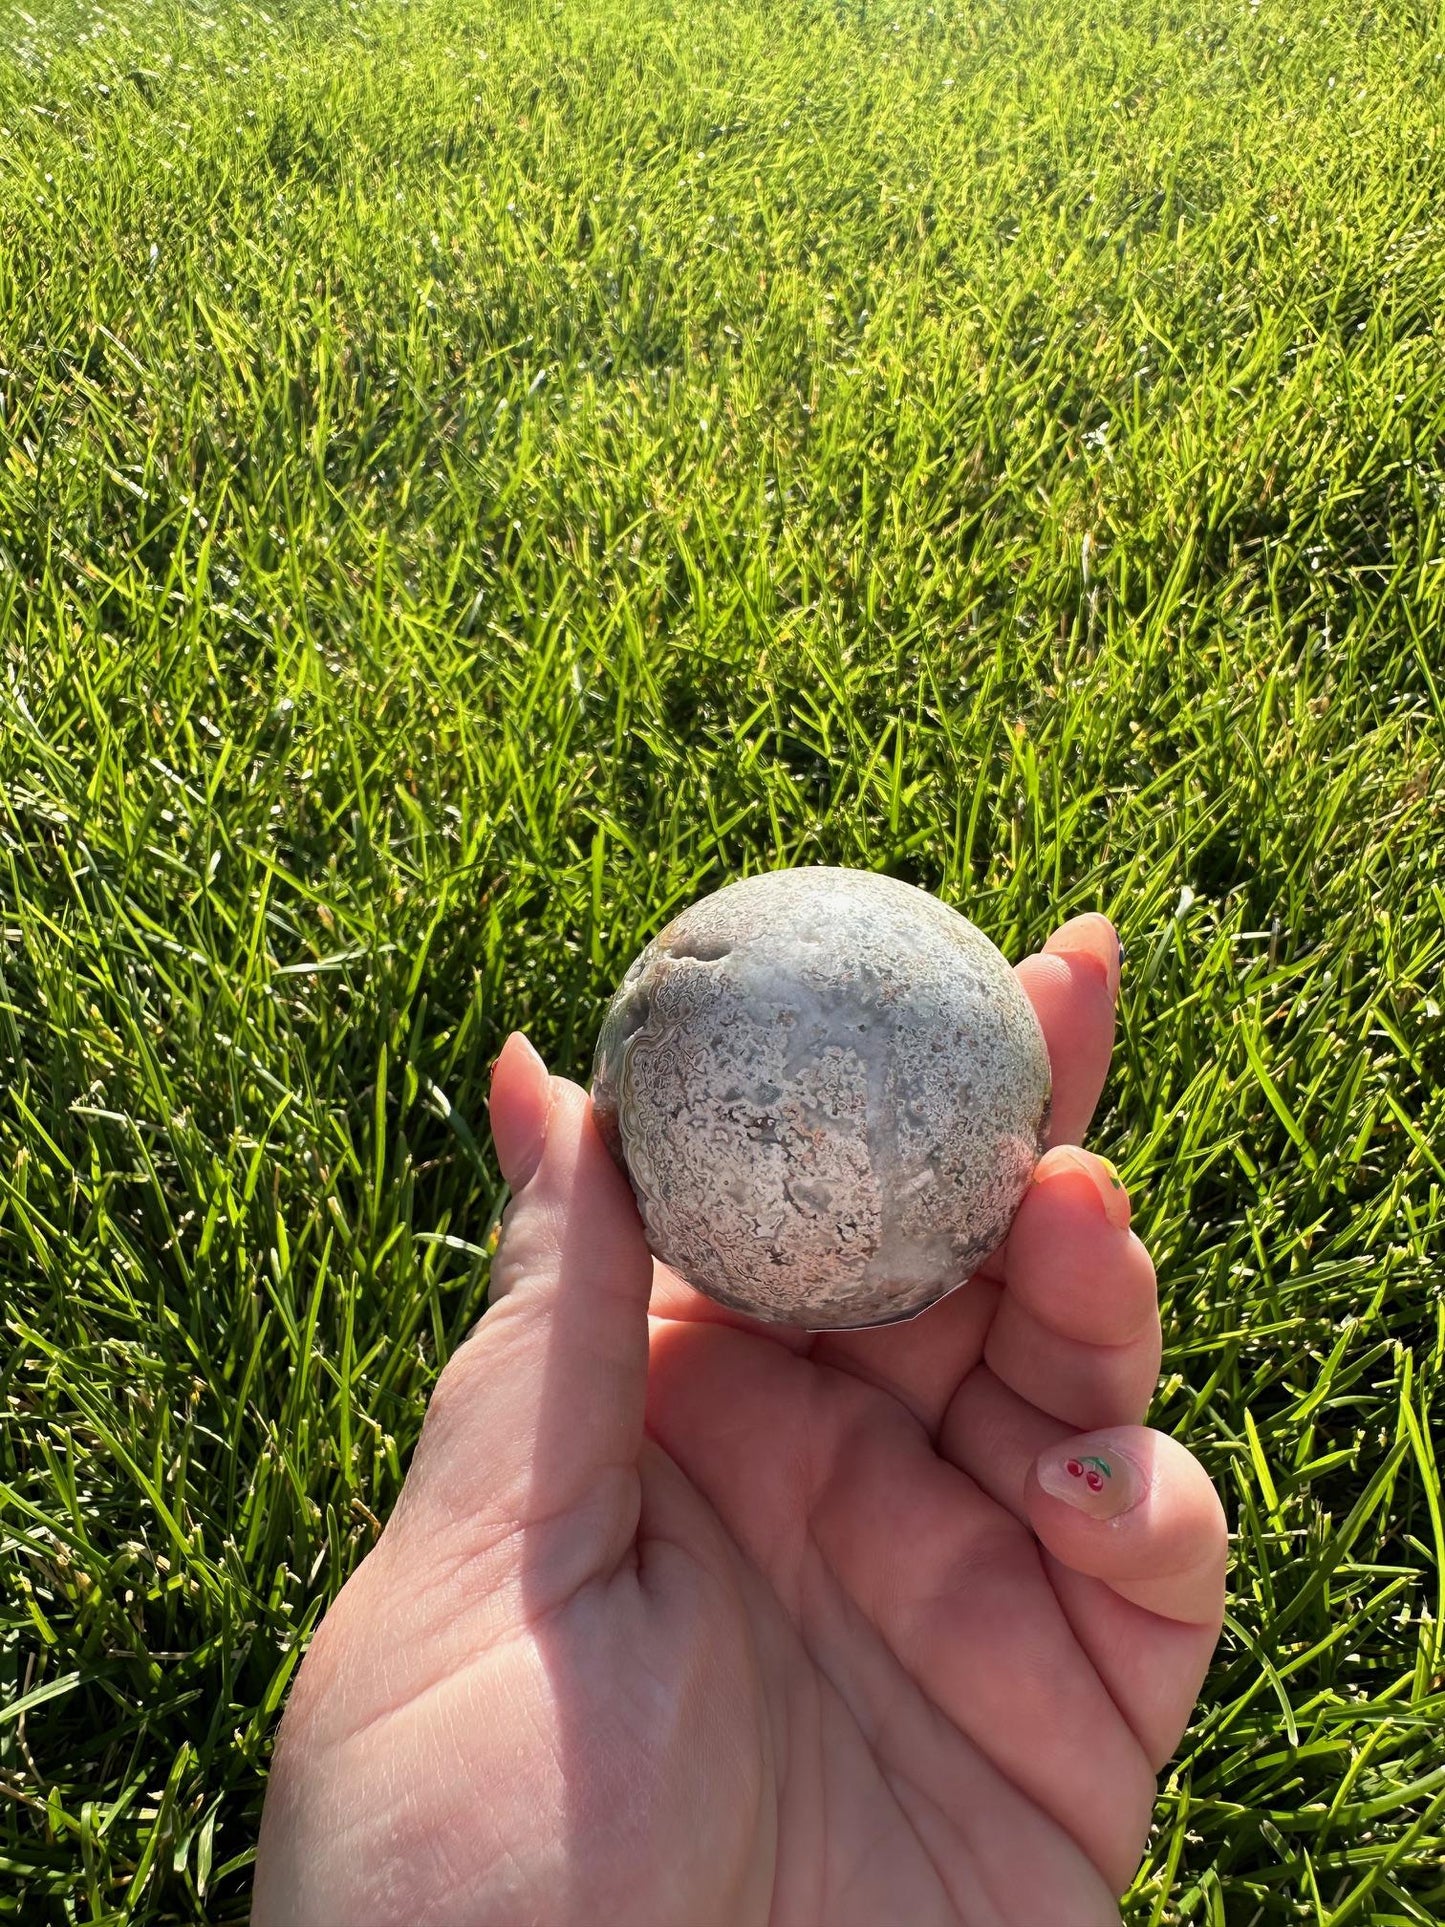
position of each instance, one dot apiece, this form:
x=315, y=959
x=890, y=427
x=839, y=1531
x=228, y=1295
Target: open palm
x=683, y=1621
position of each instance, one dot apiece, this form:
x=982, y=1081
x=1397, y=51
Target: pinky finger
x=1133, y=1508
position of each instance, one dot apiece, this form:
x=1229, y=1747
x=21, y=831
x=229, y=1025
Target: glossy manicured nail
x=1091, y=1475
x=1108, y=1185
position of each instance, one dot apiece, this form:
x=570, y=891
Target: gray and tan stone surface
x=828, y=1091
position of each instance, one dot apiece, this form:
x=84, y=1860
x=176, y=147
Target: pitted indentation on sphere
x=833, y=1099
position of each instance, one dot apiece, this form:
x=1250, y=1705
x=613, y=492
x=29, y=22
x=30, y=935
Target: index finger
x=1073, y=983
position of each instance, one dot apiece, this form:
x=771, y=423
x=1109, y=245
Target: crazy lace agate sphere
x=828, y=1091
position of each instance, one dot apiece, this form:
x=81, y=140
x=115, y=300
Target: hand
x=683, y=1621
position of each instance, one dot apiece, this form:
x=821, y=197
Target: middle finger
x=1077, y=1333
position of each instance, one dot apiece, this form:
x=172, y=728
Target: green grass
x=474, y=476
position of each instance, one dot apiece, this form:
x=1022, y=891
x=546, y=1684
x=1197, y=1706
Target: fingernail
x=1108, y=1185
x=1091, y=1475
x=526, y=1044
x=1094, y=941
x=520, y=1139
x=519, y=1040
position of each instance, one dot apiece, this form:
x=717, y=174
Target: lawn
x=475, y=476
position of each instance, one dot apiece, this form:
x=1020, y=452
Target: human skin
x=685, y=1621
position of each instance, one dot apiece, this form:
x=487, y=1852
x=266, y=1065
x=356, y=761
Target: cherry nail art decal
x=1092, y=1470
x=1103, y=1484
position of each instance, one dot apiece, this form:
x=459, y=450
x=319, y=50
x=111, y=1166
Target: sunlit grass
x=474, y=477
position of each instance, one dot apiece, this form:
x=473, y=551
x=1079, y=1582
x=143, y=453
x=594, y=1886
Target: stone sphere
x=828, y=1092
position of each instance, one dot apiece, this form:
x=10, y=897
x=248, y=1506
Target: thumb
x=543, y=1405
x=571, y=1207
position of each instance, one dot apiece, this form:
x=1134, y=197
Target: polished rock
x=828, y=1091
